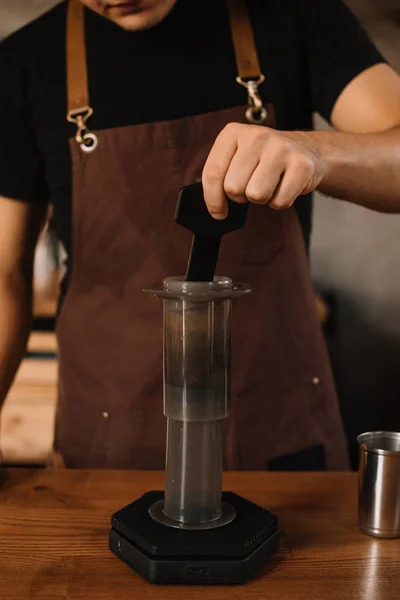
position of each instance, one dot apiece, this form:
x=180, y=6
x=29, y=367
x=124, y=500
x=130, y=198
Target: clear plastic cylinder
x=193, y=475
x=197, y=344
x=196, y=397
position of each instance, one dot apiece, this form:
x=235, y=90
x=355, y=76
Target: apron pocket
x=289, y=427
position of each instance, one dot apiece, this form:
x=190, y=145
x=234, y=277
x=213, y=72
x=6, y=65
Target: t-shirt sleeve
x=336, y=48
x=21, y=170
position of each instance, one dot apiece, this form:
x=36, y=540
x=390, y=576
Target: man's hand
x=360, y=162
x=260, y=165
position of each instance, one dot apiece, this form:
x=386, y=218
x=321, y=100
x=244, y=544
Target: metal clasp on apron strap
x=256, y=112
x=87, y=141
x=248, y=65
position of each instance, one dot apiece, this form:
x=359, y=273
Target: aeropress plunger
x=193, y=533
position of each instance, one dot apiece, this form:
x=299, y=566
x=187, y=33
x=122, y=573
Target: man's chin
x=139, y=17
x=137, y=21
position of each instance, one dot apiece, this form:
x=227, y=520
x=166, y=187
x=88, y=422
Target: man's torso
x=183, y=67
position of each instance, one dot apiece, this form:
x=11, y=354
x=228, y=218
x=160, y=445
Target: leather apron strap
x=77, y=79
x=243, y=39
x=79, y=109
x=248, y=66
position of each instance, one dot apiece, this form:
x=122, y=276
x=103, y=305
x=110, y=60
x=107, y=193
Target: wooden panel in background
x=27, y=418
x=27, y=422
x=37, y=371
x=42, y=342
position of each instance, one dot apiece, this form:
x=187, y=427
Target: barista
x=154, y=104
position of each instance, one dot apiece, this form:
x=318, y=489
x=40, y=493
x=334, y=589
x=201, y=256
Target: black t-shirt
x=309, y=50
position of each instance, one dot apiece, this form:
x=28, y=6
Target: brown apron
x=124, y=238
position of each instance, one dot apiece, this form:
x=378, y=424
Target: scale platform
x=230, y=554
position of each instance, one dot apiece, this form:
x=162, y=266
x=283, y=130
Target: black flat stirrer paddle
x=192, y=213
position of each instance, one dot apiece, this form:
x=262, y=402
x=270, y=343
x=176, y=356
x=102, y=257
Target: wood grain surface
x=27, y=417
x=54, y=526
x=40, y=341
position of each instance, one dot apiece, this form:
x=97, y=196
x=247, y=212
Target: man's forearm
x=361, y=168
x=268, y=166
x=15, y=325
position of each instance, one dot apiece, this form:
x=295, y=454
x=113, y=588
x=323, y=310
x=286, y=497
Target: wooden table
x=54, y=526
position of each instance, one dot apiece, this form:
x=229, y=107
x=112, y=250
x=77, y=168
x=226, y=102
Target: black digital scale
x=230, y=554
x=192, y=533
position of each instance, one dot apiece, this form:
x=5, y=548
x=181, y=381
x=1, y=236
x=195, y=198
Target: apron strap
x=248, y=66
x=79, y=109
x=243, y=39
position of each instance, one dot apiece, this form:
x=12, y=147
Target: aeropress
x=193, y=533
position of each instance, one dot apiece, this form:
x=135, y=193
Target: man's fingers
x=240, y=171
x=265, y=179
x=215, y=170
x=290, y=187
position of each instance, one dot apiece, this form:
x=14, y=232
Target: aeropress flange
x=193, y=533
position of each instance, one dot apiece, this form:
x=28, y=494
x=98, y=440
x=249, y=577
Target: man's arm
x=360, y=164
x=363, y=163
x=20, y=225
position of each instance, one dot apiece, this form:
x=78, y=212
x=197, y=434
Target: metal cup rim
x=364, y=437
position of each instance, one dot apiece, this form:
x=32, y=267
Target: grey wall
x=15, y=13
